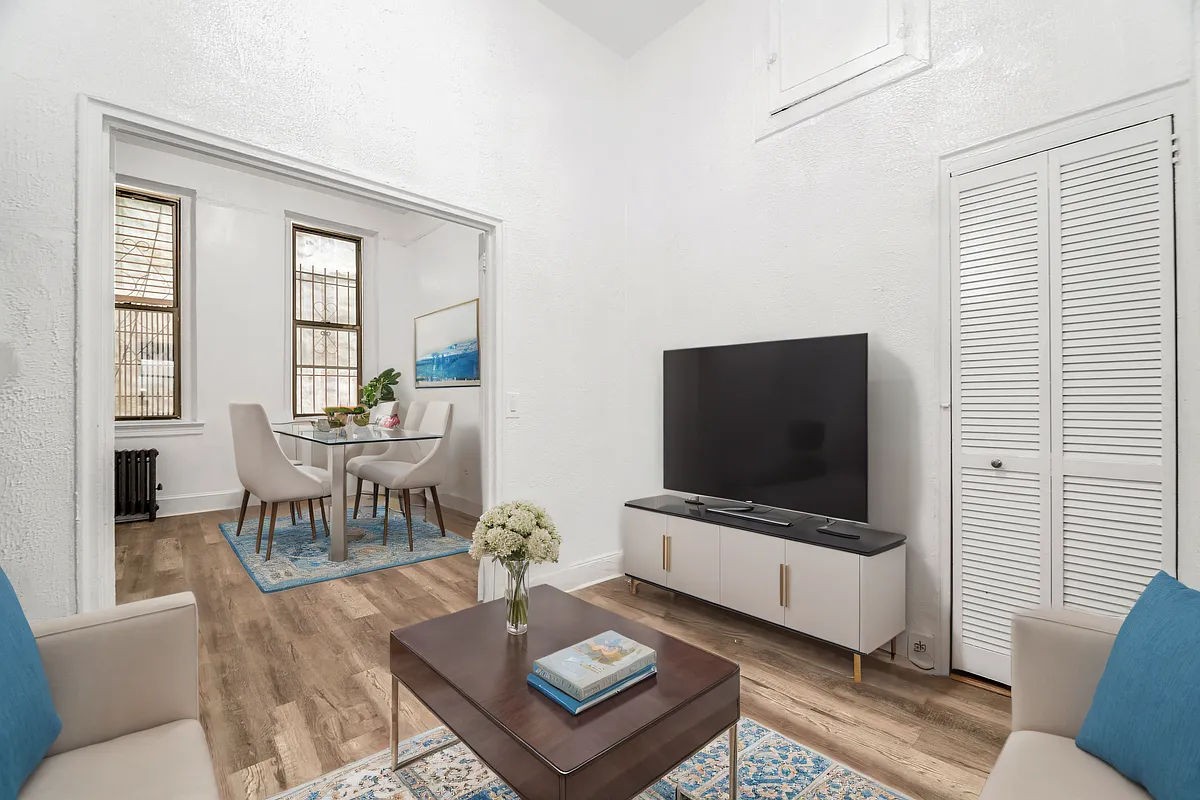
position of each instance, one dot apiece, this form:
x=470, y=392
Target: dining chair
x=266, y=472
x=379, y=412
x=427, y=473
x=396, y=451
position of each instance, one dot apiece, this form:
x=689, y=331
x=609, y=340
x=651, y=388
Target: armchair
x=125, y=684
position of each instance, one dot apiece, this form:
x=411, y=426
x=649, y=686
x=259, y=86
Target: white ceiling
x=623, y=25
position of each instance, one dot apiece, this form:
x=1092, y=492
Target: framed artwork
x=446, y=347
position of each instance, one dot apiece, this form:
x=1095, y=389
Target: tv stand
x=806, y=574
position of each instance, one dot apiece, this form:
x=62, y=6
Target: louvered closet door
x=1112, y=277
x=1001, y=408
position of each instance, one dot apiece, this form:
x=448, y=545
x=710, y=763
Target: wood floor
x=294, y=684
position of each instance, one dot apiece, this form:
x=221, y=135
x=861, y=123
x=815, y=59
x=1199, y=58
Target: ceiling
x=623, y=25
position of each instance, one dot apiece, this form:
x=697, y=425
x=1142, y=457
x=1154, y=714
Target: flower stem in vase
x=516, y=597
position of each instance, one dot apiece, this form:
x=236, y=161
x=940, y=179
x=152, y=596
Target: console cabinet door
x=643, y=538
x=694, y=558
x=822, y=593
x=750, y=574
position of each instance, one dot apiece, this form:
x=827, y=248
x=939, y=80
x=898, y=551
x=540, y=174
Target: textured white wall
x=832, y=226
x=437, y=270
x=500, y=106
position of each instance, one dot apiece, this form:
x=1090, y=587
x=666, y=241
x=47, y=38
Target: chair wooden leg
x=312, y=521
x=262, y=513
x=324, y=522
x=271, y=532
x=387, y=515
x=374, y=499
x=242, y=513
x=437, y=505
x=357, y=497
x=293, y=519
x=408, y=517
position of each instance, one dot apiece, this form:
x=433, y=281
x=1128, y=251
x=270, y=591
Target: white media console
x=847, y=591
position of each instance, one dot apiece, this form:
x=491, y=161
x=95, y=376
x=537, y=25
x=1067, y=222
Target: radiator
x=136, y=485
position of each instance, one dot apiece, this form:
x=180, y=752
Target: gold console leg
x=857, y=668
x=633, y=585
x=733, y=762
x=395, y=722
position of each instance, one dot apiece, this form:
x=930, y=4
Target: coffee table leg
x=395, y=721
x=733, y=762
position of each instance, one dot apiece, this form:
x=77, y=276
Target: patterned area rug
x=772, y=767
x=296, y=560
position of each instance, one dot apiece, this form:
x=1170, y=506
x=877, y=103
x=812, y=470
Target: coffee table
x=471, y=673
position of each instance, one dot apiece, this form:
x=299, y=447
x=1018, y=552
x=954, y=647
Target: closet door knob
x=997, y=463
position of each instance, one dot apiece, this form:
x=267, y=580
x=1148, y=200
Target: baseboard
x=197, y=503
x=460, y=504
x=569, y=578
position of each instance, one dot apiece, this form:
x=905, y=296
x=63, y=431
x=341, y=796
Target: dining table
x=336, y=440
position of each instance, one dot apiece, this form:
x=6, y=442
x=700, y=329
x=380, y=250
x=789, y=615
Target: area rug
x=296, y=560
x=771, y=767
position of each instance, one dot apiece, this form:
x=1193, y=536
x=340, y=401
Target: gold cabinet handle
x=664, y=552
x=668, y=553
x=784, y=588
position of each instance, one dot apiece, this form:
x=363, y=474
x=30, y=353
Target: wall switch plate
x=920, y=650
x=512, y=405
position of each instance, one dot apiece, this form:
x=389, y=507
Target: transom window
x=327, y=324
x=146, y=316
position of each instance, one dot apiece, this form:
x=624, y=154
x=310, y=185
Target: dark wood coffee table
x=471, y=674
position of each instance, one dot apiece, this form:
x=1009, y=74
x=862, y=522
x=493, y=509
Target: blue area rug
x=771, y=767
x=296, y=560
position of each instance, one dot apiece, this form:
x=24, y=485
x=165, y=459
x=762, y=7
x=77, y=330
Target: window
x=327, y=326
x=146, y=317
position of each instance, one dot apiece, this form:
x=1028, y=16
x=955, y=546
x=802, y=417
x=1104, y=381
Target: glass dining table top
x=341, y=437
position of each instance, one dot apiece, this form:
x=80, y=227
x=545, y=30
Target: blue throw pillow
x=1145, y=716
x=28, y=722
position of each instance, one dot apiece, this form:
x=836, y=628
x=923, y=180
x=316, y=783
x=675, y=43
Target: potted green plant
x=380, y=389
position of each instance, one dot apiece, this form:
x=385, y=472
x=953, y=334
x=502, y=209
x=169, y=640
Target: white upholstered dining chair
x=267, y=473
x=396, y=451
x=427, y=473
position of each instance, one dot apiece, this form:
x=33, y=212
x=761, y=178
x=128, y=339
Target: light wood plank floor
x=295, y=684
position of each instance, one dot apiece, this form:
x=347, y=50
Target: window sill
x=142, y=429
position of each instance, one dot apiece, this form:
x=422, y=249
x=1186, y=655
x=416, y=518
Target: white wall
x=832, y=226
x=437, y=270
x=504, y=107
x=239, y=322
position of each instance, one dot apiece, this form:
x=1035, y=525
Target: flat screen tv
x=783, y=424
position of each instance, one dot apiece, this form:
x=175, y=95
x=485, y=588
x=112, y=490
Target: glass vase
x=516, y=597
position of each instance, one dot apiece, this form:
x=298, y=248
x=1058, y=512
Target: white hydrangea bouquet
x=517, y=534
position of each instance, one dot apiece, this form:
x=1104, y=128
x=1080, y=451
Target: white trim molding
x=155, y=428
x=575, y=576
x=99, y=122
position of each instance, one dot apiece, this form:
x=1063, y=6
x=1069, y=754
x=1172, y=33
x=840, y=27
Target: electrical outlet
x=920, y=650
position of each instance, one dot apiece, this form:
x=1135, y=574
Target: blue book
x=576, y=706
x=593, y=665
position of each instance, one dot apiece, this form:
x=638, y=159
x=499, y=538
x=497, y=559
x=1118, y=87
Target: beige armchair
x=1058, y=657
x=125, y=683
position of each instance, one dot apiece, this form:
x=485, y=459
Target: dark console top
x=803, y=528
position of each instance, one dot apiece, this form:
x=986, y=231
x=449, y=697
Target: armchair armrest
x=123, y=669
x=1058, y=657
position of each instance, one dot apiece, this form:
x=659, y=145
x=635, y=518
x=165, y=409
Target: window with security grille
x=146, y=315
x=327, y=326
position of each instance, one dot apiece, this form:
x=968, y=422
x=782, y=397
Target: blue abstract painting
x=447, y=347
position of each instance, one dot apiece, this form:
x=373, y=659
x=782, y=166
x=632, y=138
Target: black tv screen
x=783, y=424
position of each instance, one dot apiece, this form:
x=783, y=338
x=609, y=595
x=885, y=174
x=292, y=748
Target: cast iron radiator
x=136, y=485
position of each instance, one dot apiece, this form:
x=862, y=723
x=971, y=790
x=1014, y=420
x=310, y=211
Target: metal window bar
x=326, y=352
x=146, y=327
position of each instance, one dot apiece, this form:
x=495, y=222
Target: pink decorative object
x=390, y=422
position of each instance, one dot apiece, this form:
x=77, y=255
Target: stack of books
x=582, y=675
